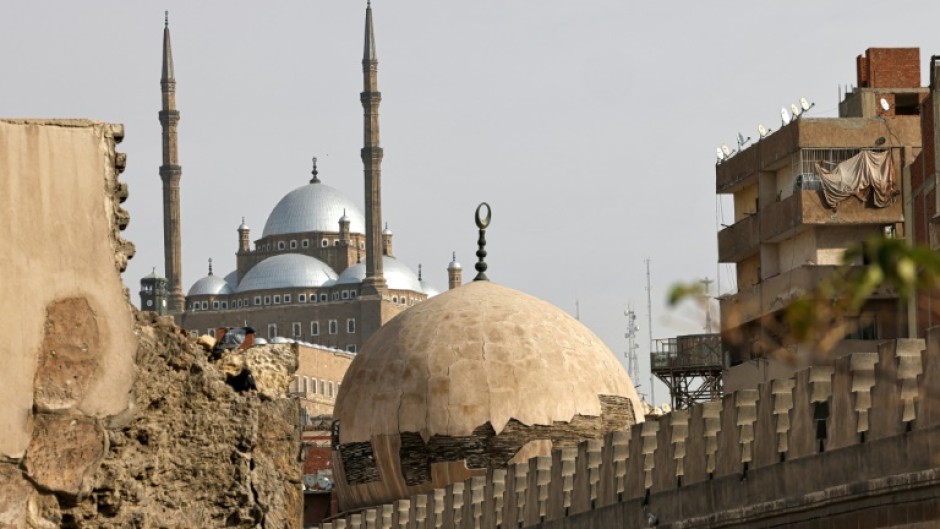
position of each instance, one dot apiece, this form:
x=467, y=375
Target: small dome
x=289, y=270
x=397, y=275
x=153, y=275
x=243, y=226
x=210, y=286
x=386, y=231
x=454, y=265
x=232, y=279
x=481, y=364
x=312, y=207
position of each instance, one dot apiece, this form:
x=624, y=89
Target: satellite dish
x=784, y=115
x=794, y=110
x=721, y=155
x=884, y=105
x=806, y=105
x=310, y=481
x=762, y=130
x=324, y=482
x=742, y=141
x=726, y=150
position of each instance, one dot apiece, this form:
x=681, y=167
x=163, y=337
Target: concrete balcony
x=776, y=293
x=783, y=219
x=740, y=240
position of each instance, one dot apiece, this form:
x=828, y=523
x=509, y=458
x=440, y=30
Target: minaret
x=374, y=282
x=170, y=173
x=454, y=274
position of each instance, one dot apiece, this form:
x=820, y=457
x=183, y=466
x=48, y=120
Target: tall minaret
x=170, y=173
x=374, y=282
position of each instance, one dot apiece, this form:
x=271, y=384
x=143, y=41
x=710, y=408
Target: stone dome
x=313, y=207
x=289, y=270
x=210, y=286
x=398, y=276
x=481, y=364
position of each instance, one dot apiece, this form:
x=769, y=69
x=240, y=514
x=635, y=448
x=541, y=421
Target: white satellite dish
x=794, y=110
x=784, y=115
x=762, y=130
x=310, y=481
x=884, y=105
x=721, y=155
x=324, y=482
x=742, y=141
x=726, y=150
x=806, y=105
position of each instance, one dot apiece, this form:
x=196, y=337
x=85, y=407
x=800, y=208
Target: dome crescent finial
x=314, y=180
x=210, y=266
x=482, y=223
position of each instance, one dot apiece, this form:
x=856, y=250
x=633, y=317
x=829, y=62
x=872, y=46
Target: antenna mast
x=633, y=368
x=649, y=315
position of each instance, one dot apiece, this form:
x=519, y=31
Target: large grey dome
x=289, y=270
x=210, y=286
x=313, y=207
x=397, y=275
x=232, y=279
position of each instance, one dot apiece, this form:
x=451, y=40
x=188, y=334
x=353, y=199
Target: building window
x=334, y=327
x=293, y=245
x=351, y=348
x=224, y=305
x=351, y=325
x=215, y=305
x=323, y=297
x=335, y=296
x=336, y=243
x=205, y=305
x=286, y=298
x=353, y=294
x=296, y=329
x=345, y=294
x=257, y=300
x=194, y=333
x=305, y=243
x=272, y=331
x=324, y=243
x=322, y=387
x=331, y=390
x=210, y=332
x=277, y=299
x=301, y=298
x=280, y=245
x=313, y=298
x=267, y=300
x=394, y=299
x=314, y=328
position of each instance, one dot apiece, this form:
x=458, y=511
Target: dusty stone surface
x=15, y=492
x=68, y=358
x=63, y=451
x=271, y=366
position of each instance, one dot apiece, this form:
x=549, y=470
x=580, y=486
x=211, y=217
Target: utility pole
x=649, y=315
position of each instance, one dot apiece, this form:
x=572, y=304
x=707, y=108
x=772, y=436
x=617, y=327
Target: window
x=194, y=333
x=351, y=325
x=301, y=298
x=215, y=305
x=394, y=299
x=277, y=299
x=334, y=327
x=296, y=329
x=280, y=245
x=314, y=328
x=205, y=305
x=305, y=243
x=335, y=296
x=323, y=297
x=272, y=331
x=210, y=331
x=351, y=348
x=286, y=298
x=224, y=305
x=293, y=245
x=353, y=294
x=331, y=390
x=322, y=387
x=336, y=243
x=324, y=243
x=257, y=300
x=267, y=300
x=345, y=294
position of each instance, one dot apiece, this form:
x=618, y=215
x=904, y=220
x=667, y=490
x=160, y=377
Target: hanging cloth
x=867, y=170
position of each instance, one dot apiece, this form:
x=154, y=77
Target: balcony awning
x=866, y=172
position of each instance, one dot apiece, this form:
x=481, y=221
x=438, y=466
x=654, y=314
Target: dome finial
x=314, y=180
x=482, y=223
x=166, y=19
x=210, y=266
x=419, y=271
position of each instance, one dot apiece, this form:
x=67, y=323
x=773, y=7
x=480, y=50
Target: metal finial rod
x=166, y=19
x=314, y=180
x=454, y=256
x=419, y=271
x=482, y=223
x=210, y=266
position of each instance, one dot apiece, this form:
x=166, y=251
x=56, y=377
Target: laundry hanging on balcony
x=866, y=172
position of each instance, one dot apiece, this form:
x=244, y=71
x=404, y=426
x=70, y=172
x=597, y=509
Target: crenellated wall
x=853, y=444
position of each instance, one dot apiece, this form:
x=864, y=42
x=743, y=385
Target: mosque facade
x=323, y=270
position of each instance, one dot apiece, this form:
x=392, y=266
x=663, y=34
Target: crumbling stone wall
x=110, y=418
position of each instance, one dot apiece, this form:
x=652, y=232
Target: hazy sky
x=590, y=127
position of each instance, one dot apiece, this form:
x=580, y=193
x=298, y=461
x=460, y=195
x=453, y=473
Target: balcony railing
x=696, y=351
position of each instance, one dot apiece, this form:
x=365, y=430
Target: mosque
x=323, y=272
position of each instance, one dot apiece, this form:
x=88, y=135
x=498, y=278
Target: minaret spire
x=170, y=173
x=374, y=282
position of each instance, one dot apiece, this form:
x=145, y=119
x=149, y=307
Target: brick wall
x=889, y=68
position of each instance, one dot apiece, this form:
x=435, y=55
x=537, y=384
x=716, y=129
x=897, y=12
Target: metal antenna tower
x=633, y=368
x=649, y=315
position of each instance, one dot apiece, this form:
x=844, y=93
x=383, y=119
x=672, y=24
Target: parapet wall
x=855, y=439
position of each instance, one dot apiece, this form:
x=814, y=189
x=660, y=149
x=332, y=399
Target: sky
x=589, y=127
